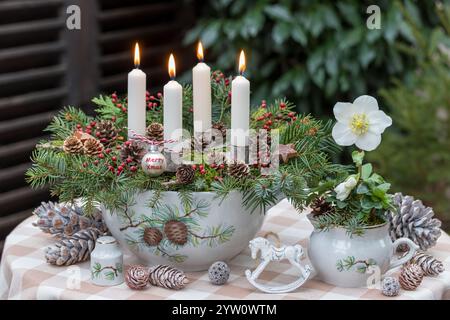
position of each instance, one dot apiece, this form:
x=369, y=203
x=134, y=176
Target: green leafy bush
x=415, y=154
x=313, y=52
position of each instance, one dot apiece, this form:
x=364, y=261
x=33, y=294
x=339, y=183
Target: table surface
x=24, y=274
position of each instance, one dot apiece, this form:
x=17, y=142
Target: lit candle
x=136, y=97
x=240, y=106
x=173, y=104
x=201, y=83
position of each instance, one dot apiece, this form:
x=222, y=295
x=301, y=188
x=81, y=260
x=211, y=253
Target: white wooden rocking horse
x=270, y=253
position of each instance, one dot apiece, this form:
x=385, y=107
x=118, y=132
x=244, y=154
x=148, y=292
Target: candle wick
x=172, y=78
x=136, y=66
x=201, y=60
x=241, y=73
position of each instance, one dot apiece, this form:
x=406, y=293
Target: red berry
x=93, y=123
x=119, y=105
x=113, y=119
x=269, y=122
x=147, y=93
x=150, y=105
x=159, y=95
x=114, y=95
x=133, y=168
x=114, y=158
x=108, y=151
x=128, y=143
x=263, y=102
x=98, y=134
x=191, y=110
x=85, y=164
x=103, y=140
x=120, y=168
x=294, y=118
x=78, y=126
x=96, y=162
x=263, y=106
x=221, y=166
x=229, y=94
x=227, y=82
x=111, y=168
x=129, y=160
x=213, y=165
x=101, y=156
x=201, y=167
x=266, y=127
x=152, y=98
x=282, y=105
x=89, y=131
x=203, y=171
x=291, y=114
x=124, y=109
x=194, y=166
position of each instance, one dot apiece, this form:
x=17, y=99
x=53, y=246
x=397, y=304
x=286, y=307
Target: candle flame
x=137, y=56
x=200, y=51
x=242, y=62
x=172, y=70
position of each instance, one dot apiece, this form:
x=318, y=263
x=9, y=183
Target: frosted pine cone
x=411, y=277
x=132, y=153
x=176, y=232
x=220, y=126
x=414, y=221
x=106, y=132
x=64, y=220
x=238, y=170
x=136, y=277
x=167, y=277
x=73, y=145
x=429, y=264
x=73, y=249
x=155, y=131
x=92, y=147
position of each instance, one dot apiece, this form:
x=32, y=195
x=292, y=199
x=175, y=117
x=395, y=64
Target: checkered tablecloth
x=24, y=274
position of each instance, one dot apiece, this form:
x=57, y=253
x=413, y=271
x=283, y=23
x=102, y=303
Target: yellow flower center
x=359, y=124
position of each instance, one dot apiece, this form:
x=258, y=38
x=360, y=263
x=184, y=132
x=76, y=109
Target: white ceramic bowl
x=212, y=229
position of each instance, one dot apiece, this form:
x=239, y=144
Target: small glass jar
x=106, y=262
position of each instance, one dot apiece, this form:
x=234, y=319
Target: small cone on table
x=411, y=277
x=167, y=277
x=429, y=264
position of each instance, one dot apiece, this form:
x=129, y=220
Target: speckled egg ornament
x=390, y=287
x=218, y=273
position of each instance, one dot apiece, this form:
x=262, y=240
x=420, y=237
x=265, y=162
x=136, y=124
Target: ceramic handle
x=412, y=250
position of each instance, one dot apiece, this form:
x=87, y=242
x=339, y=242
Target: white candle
x=240, y=107
x=136, y=97
x=201, y=86
x=173, y=104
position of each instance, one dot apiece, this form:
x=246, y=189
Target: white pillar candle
x=136, y=97
x=201, y=86
x=173, y=105
x=240, y=107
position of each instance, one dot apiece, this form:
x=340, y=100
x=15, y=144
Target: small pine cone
x=220, y=126
x=216, y=157
x=92, y=147
x=155, y=131
x=136, y=277
x=176, y=232
x=411, y=277
x=73, y=145
x=185, y=174
x=152, y=236
x=167, y=277
x=200, y=141
x=429, y=264
x=106, y=132
x=73, y=249
x=132, y=153
x=238, y=170
x=320, y=206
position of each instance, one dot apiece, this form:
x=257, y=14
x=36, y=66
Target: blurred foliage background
x=319, y=52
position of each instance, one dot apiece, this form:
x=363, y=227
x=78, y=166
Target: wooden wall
x=44, y=66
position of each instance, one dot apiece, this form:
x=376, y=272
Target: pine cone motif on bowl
x=73, y=145
x=152, y=236
x=176, y=232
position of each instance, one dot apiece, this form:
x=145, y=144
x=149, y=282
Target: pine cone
x=155, y=131
x=176, y=232
x=167, y=277
x=429, y=264
x=152, y=236
x=200, y=141
x=414, y=221
x=92, y=147
x=136, y=277
x=220, y=126
x=106, y=132
x=238, y=170
x=73, y=145
x=64, y=220
x=216, y=157
x=185, y=174
x=73, y=249
x=320, y=206
x=133, y=151
x=411, y=277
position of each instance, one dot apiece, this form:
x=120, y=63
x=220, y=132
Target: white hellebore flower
x=360, y=123
x=343, y=189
